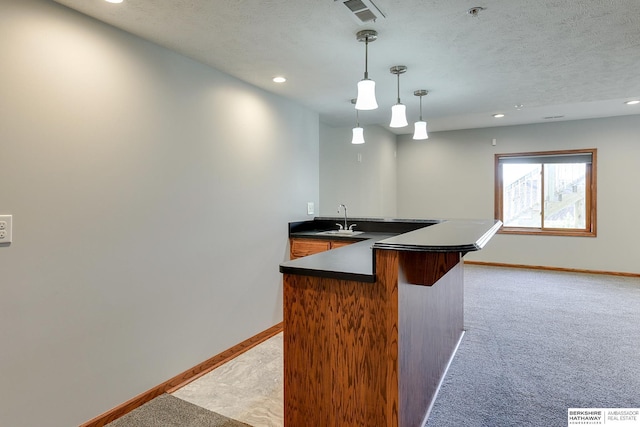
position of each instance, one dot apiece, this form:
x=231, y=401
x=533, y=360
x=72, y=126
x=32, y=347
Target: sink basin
x=339, y=233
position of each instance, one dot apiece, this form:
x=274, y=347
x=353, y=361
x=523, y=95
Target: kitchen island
x=371, y=327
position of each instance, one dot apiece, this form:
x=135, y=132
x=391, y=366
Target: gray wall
x=368, y=186
x=149, y=218
x=451, y=175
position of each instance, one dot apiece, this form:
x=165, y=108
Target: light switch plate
x=310, y=208
x=5, y=228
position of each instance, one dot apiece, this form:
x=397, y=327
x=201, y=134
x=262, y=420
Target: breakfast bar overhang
x=370, y=328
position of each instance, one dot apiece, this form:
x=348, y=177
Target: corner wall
x=451, y=175
x=148, y=219
x=363, y=176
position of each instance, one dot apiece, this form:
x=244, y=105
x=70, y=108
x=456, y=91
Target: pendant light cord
x=398, y=87
x=366, y=58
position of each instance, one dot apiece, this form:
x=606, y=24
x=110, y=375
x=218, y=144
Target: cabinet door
x=339, y=243
x=304, y=247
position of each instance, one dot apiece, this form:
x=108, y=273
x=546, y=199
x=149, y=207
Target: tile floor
x=240, y=390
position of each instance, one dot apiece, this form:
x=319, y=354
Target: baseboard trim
x=183, y=379
x=542, y=267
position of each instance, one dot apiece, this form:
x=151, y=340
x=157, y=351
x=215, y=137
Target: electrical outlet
x=5, y=228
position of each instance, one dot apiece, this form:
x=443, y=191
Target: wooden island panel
x=340, y=350
x=431, y=326
x=363, y=354
x=426, y=268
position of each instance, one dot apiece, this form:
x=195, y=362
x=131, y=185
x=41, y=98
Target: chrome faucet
x=345, y=217
x=345, y=227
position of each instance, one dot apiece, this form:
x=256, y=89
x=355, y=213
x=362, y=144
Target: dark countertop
x=447, y=236
x=355, y=261
x=308, y=229
x=356, y=237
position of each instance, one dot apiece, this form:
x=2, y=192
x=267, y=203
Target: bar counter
x=370, y=328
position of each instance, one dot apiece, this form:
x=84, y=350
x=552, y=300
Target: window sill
x=547, y=232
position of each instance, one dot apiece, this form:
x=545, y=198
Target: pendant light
x=420, y=127
x=366, y=88
x=358, y=132
x=398, y=111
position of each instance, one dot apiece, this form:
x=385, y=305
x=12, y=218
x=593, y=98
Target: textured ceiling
x=571, y=58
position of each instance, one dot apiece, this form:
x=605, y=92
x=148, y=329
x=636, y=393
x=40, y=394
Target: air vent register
x=363, y=11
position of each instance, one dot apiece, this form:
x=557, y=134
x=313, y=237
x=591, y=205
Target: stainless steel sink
x=339, y=233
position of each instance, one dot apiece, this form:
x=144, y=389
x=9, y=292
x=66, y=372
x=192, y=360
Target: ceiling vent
x=363, y=11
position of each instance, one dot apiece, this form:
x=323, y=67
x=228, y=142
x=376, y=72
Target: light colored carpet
x=538, y=343
x=168, y=411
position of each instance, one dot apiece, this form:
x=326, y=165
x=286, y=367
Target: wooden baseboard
x=541, y=267
x=182, y=379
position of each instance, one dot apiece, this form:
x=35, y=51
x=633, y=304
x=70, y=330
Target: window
x=551, y=192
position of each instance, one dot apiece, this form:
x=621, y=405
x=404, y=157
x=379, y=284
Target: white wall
x=451, y=175
x=149, y=219
x=367, y=187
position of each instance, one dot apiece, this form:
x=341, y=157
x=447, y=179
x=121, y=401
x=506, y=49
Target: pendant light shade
x=358, y=132
x=420, y=130
x=398, y=111
x=366, y=87
x=420, y=127
x=398, y=116
x=358, y=136
x=366, y=95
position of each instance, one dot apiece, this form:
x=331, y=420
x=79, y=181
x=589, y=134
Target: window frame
x=590, y=189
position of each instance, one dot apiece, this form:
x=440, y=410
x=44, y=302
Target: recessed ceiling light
x=633, y=102
x=474, y=11
x=114, y=1
x=279, y=79
x=498, y=115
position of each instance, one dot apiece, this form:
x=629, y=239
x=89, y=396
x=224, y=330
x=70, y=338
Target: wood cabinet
x=339, y=243
x=302, y=247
